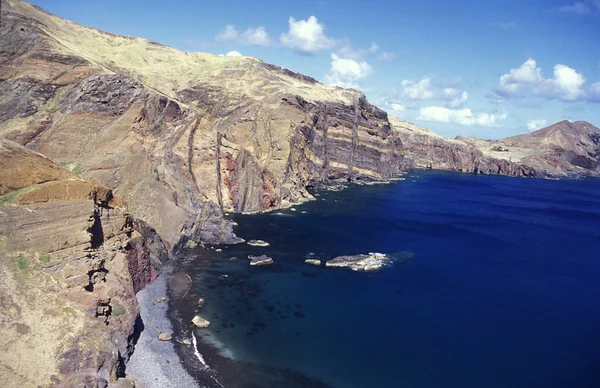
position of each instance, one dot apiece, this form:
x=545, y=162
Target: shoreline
x=155, y=363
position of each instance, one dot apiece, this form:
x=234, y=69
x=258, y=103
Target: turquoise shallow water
x=503, y=289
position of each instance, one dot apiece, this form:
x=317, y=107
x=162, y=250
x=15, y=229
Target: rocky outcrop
x=260, y=260
x=200, y=322
x=369, y=262
x=258, y=243
x=316, y=262
x=181, y=137
x=561, y=150
x=71, y=259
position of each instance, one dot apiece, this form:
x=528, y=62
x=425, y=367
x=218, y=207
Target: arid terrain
x=116, y=150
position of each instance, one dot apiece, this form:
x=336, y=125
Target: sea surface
x=502, y=290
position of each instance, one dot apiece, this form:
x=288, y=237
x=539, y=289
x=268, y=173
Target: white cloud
x=346, y=72
x=229, y=33
x=516, y=80
x=256, y=37
x=307, y=36
x=348, y=51
x=566, y=84
x=460, y=116
x=455, y=97
x=233, y=53
x=417, y=90
x=251, y=37
x=585, y=7
x=387, y=56
x=533, y=125
x=397, y=107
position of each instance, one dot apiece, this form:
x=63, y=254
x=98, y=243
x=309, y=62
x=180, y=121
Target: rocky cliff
x=114, y=150
x=181, y=137
x=563, y=149
x=71, y=259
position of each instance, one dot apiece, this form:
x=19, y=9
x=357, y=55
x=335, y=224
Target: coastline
x=155, y=363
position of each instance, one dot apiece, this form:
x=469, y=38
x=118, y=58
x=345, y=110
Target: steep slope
x=181, y=137
x=71, y=260
x=563, y=149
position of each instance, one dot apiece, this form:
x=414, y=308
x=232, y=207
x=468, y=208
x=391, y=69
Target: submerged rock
x=201, y=302
x=260, y=260
x=200, y=322
x=313, y=261
x=258, y=243
x=370, y=262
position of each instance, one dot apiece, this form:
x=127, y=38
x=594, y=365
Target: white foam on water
x=196, y=352
x=211, y=340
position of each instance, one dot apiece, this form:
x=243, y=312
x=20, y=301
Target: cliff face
x=181, y=137
x=561, y=150
x=71, y=259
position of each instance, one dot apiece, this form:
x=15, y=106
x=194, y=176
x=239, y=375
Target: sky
x=489, y=69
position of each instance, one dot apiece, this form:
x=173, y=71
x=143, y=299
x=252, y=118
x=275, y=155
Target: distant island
x=117, y=151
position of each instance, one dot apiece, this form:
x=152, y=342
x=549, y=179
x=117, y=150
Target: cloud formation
x=584, y=7
x=251, y=37
x=463, y=117
x=566, y=84
x=346, y=72
x=534, y=125
x=387, y=56
x=233, y=53
x=307, y=36
x=448, y=92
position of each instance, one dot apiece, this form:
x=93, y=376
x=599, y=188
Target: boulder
x=258, y=243
x=260, y=260
x=369, y=262
x=200, y=322
x=165, y=336
x=316, y=262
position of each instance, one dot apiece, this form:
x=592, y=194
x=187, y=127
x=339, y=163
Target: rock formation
x=114, y=150
x=260, y=260
x=181, y=136
x=563, y=149
x=369, y=262
x=71, y=259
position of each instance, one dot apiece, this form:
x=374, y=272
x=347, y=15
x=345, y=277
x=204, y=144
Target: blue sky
x=479, y=68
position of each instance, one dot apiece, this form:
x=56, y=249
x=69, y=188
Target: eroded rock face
x=71, y=259
x=561, y=150
x=181, y=144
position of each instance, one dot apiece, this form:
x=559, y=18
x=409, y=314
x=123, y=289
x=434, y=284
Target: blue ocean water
x=503, y=289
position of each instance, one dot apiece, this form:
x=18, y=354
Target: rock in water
x=200, y=322
x=165, y=336
x=258, y=243
x=201, y=302
x=260, y=260
x=370, y=262
x=313, y=261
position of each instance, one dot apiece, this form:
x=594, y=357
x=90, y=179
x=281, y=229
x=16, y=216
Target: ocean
x=502, y=289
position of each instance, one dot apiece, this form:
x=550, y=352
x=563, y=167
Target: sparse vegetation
x=10, y=197
x=118, y=309
x=6, y=198
x=72, y=166
x=20, y=261
x=44, y=257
